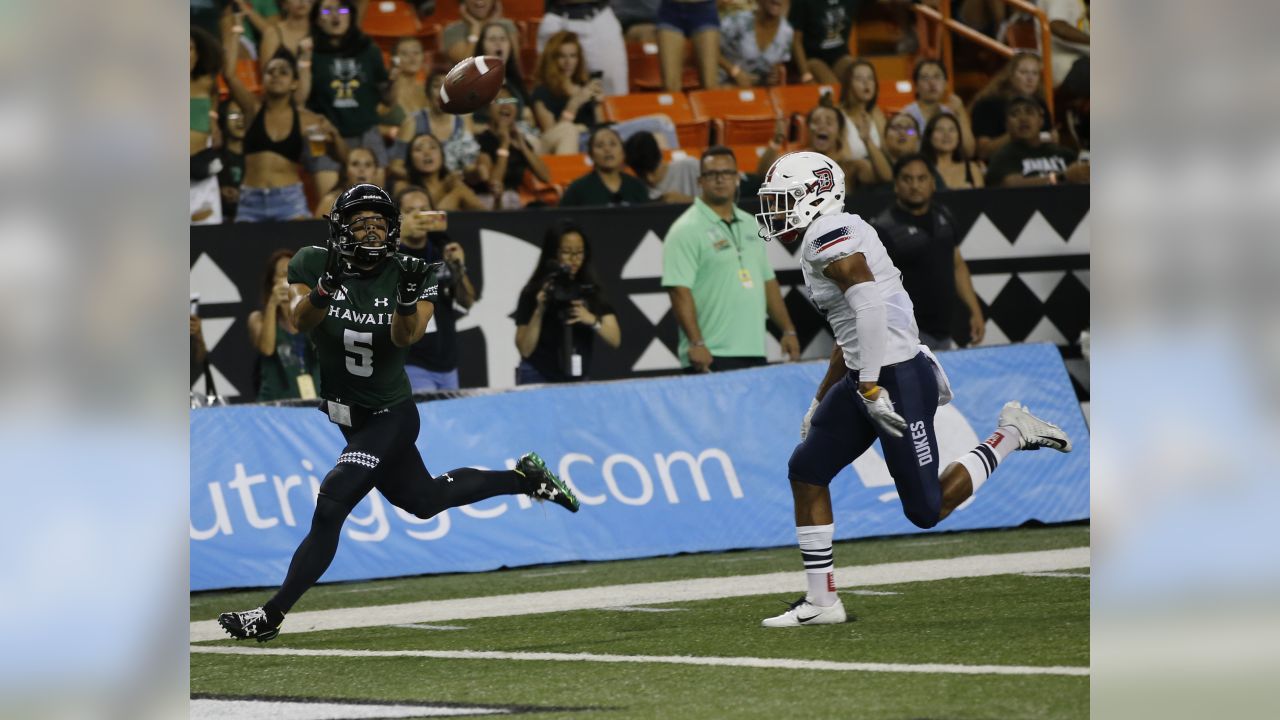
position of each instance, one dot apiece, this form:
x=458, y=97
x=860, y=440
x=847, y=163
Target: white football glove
x=883, y=415
x=808, y=417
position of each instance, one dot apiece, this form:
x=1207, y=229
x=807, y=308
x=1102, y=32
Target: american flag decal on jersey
x=830, y=238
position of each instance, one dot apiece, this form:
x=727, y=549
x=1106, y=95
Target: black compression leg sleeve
x=313, y=556
x=463, y=487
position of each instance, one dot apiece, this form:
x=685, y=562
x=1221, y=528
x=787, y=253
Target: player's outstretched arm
x=412, y=312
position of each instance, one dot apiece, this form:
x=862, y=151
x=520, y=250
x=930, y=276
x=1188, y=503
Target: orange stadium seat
x=894, y=74
x=390, y=18
x=652, y=79
x=520, y=9
x=895, y=95
x=748, y=156
x=565, y=169
x=643, y=68
x=691, y=130
x=800, y=99
x=744, y=115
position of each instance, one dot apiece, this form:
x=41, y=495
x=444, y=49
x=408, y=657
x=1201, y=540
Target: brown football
x=472, y=84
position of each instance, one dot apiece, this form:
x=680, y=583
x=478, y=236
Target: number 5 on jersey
x=359, y=346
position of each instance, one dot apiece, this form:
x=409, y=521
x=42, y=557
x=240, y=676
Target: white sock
x=819, y=564
x=983, y=459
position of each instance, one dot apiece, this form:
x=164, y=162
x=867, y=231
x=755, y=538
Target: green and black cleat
x=545, y=484
x=249, y=624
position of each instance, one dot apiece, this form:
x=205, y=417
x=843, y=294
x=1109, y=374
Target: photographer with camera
x=561, y=309
x=433, y=361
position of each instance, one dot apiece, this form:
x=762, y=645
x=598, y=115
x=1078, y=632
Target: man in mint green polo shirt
x=721, y=286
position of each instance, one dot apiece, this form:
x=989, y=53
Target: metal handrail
x=942, y=16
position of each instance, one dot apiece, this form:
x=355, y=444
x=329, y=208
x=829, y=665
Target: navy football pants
x=841, y=430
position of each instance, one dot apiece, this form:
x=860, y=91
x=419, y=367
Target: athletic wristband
x=410, y=309
x=699, y=343
x=319, y=298
x=503, y=152
x=789, y=332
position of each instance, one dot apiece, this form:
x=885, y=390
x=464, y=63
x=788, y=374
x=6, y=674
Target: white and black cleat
x=1036, y=433
x=802, y=612
x=249, y=624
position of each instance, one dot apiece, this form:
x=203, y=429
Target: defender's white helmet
x=799, y=187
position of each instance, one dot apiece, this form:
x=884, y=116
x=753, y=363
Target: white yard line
x=746, y=662
x=219, y=709
x=672, y=591
x=424, y=626
x=1057, y=574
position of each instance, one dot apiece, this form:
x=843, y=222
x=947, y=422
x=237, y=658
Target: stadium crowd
x=611, y=103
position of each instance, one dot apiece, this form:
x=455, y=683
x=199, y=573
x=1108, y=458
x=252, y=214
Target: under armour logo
x=381, y=302
x=447, y=477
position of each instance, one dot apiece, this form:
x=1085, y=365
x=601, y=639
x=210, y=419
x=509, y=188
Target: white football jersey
x=831, y=237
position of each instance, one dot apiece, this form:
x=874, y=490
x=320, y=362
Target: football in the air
x=472, y=84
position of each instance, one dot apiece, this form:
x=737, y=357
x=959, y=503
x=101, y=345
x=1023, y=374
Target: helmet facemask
x=359, y=242
x=777, y=219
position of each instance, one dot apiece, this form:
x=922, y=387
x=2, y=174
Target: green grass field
x=1027, y=621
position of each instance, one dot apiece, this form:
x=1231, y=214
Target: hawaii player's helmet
x=343, y=232
x=799, y=187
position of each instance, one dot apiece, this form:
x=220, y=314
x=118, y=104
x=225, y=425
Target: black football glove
x=331, y=279
x=413, y=274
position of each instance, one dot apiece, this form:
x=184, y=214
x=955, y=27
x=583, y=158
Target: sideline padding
x=662, y=466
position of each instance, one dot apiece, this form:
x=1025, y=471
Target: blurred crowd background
x=625, y=103
x=294, y=100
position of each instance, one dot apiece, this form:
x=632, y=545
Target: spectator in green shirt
x=606, y=184
x=718, y=276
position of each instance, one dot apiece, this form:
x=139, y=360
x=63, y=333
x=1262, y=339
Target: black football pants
x=380, y=453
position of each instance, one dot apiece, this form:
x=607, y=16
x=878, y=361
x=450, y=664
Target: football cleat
x=1036, y=433
x=803, y=612
x=249, y=624
x=546, y=486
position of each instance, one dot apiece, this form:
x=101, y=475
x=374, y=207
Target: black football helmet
x=343, y=232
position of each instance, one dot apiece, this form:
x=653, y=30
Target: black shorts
x=841, y=430
x=381, y=452
x=830, y=57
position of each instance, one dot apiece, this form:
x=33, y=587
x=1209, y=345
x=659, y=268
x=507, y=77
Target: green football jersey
x=359, y=365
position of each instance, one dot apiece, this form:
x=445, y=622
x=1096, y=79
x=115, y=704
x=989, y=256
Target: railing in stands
x=945, y=22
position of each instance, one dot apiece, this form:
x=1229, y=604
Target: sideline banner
x=665, y=465
x=1027, y=249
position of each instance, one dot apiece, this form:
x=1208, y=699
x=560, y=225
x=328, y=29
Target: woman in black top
x=1021, y=76
x=277, y=139
x=561, y=308
x=567, y=103
x=505, y=153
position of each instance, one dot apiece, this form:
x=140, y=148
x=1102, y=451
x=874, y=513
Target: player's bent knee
x=924, y=514
x=329, y=512
x=923, y=520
